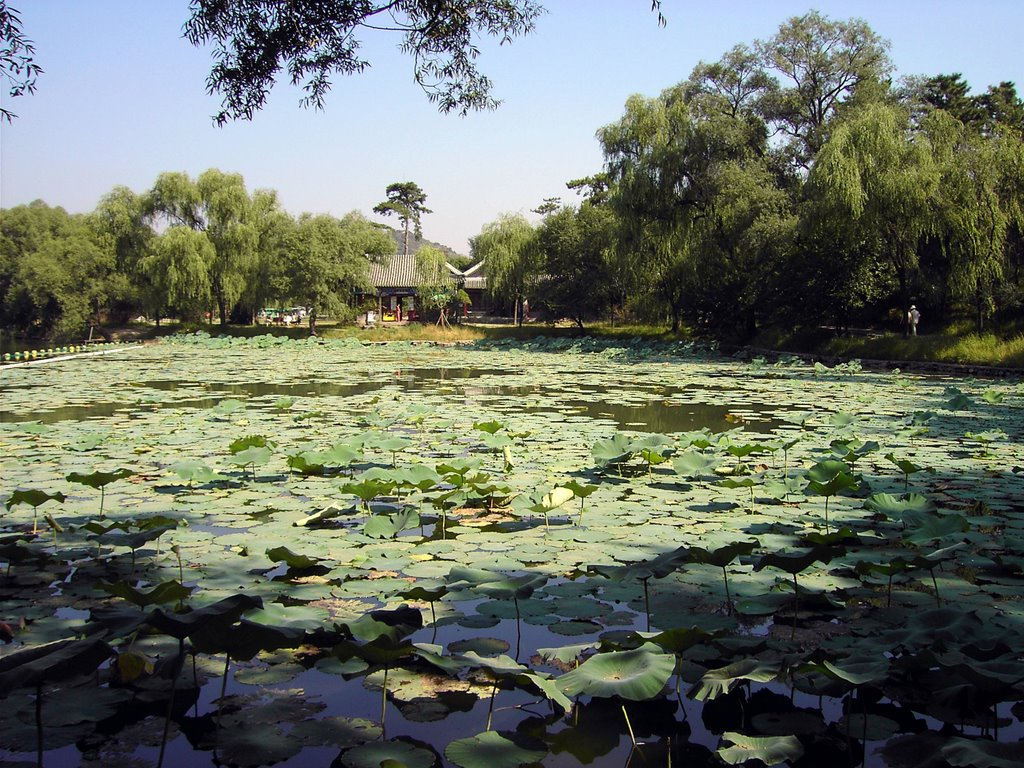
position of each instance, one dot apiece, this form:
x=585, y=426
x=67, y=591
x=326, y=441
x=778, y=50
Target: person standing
x=913, y=318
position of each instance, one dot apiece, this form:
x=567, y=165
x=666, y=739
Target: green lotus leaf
x=256, y=455
x=490, y=750
x=770, y=750
x=983, y=754
x=167, y=592
x=716, y=682
x=724, y=555
x=52, y=662
x=616, y=450
x=221, y=613
x=636, y=675
x=194, y=471
x=871, y=727
x=389, y=526
x=957, y=402
x=292, y=559
x=249, y=441
x=227, y=407
x=743, y=450
x=797, y=562
x=34, y=498
x=895, y=506
x=856, y=670
x=825, y=471
x=87, y=442
x=388, y=754
x=490, y=427
x=926, y=528
x=553, y=499
x=248, y=745
x=566, y=654
x=548, y=687
x=98, y=479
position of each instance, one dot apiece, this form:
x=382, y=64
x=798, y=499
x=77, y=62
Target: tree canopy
x=406, y=201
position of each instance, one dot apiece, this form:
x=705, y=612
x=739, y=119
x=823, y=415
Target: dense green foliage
x=790, y=183
x=184, y=248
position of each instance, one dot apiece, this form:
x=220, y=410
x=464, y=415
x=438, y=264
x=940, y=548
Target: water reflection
x=670, y=412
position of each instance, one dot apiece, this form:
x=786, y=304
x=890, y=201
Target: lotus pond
x=559, y=553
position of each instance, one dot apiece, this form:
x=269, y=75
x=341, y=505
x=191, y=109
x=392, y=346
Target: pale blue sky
x=123, y=99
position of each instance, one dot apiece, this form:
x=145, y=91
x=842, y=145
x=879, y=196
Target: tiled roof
x=400, y=271
x=395, y=272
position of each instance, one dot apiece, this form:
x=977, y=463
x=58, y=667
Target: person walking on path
x=913, y=318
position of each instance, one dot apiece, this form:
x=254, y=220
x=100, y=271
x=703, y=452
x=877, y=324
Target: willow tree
x=217, y=206
x=881, y=179
x=508, y=247
x=690, y=175
x=327, y=262
x=979, y=202
x=177, y=266
x=436, y=287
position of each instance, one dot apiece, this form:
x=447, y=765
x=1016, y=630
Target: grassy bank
x=956, y=344
x=968, y=349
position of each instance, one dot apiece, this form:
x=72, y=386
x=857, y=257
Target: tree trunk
x=979, y=303
x=312, y=321
x=222, y=309
x=515, y=311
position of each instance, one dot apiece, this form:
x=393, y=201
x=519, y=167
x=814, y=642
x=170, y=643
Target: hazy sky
x=123, y=99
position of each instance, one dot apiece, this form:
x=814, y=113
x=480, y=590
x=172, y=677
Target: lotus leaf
x=635, y=675
x=490, y=749
x=770, y=750
x=719, y=681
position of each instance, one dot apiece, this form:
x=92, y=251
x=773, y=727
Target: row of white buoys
x=40, y=354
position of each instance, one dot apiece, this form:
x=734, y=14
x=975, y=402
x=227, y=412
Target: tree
x=437, y=290
x=508, y=247
x=677, y=171
x=576, y=245
x=120, y=216
x=253, y=40
x=216, y=205
x=327, y=261
x=824, y=62
x=738, y=82
x=266, y=279
x=178, y=268
x=405, y=200
x=883, y=182
x=17, y=58
x=58, y=272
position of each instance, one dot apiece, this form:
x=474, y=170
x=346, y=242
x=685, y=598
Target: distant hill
x=457, y=259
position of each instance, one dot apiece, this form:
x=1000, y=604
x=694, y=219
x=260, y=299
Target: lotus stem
x=176, y=670
x=935, y=584
x=728, y=597
x=629, y=727
x=647, y=604
x=796, y=606
x=39, y=724
x=490, y=709
x=383, y=700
